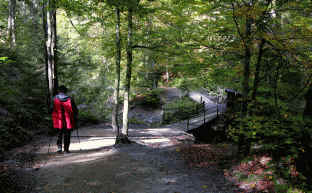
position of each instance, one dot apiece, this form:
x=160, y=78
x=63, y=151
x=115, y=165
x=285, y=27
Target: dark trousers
x=66, y=134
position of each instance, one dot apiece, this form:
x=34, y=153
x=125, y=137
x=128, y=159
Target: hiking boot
x=59, y=150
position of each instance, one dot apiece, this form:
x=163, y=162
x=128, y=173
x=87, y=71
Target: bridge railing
x=205, y=116
x=182, y=112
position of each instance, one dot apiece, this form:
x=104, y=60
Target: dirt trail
x=152, y=164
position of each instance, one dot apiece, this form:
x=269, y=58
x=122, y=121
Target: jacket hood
x=62, y=97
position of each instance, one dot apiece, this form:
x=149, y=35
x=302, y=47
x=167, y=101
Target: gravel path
x=151, y=164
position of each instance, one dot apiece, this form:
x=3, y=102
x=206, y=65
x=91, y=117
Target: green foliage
x=274, y=134
x=3, y=19
x=13, y=134
x=3, y=59
x=136, y=121
x=184, y=102
x=147, y=80
x=22, y=96
x=280, y=134
x=87, y=117
x=150, y=98
x=83, y=68
x=199, y=43
x=185, y=84
x=180, y=109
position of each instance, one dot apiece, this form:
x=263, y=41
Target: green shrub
x=23, y=96
x=180, y=109
x=87, y=117
x=151, y=98
x=136, y=121
x=277, y=133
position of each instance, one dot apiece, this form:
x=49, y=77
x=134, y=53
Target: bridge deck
x=200, y=120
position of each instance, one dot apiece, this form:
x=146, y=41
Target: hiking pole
x=49, y=145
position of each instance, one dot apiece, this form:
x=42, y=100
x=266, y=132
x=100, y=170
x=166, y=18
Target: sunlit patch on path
x=151, y=164
x=96, y=143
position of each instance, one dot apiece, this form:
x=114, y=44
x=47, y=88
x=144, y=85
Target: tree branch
x=71, y=22
x=236, y=23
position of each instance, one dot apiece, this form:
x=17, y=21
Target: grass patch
x=136, y=121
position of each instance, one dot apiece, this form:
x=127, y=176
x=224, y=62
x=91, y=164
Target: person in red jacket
x=64, y=116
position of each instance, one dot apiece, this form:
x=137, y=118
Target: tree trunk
x=49, y=26
x=115, y=124
x=54, y=44
x=246, y=66
x=258, y=65
x=244, y=145
x=125, y=122
x=23, y=11
x=11, y=23
x=33, y=5
x=45, y=31
x=167, y=74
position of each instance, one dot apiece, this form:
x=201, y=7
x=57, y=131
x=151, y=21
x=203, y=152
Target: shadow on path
x=152, y=164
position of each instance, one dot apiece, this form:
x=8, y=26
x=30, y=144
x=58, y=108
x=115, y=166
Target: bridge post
x=188, y=123
x=204, y=112
x=218, y=106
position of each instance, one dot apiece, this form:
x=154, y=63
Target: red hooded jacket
x=64, y=112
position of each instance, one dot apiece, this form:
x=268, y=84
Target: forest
x=113, y=53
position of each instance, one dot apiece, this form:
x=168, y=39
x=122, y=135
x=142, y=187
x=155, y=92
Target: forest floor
x=153, y=163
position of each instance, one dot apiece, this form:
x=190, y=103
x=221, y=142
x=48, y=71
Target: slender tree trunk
x=258, y=66
x=11, y=23
x=128, y=77
x=115, y=124
x=167, y=74
x=49, y=25
x=49, y=43
x=32, y=8
x=45, y=31
x=23, y=12
x=54, y=44
x=244, y=145
x=33, y=5
x=246, y=65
